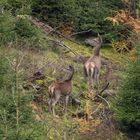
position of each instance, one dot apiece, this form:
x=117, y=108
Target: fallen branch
x=98, y=95
x=63, y=45
x=104, y=100
x=106, y=86
x=66, y=37
x=80, y=32
x=48, y=29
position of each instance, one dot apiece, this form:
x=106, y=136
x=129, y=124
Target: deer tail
x=51, y=91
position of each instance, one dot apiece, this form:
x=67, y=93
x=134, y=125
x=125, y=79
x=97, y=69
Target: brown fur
x=93, y=64
x=58, y=89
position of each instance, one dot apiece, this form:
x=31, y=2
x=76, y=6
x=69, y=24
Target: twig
x=20, y=61
x=97, y=108
x=98, y=95
x=101, y=96
x=104, y=88
x=104, y=100
x=32, y=85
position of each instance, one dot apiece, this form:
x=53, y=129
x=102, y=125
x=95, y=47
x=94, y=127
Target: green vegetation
x=80, y=15
x=127, y=103
x=17, y=30
x=26, y=49
x=57, y=12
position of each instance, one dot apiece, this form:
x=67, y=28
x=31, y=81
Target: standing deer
x=93, y=64
x=58, y=89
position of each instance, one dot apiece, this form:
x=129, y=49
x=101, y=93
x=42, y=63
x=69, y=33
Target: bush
x=70, y=15
x=80, y=15
x=14, y=24
x=56, y=12
x=127, y=103
x=93, y=14
x=16, y=30
x=11, y=96
x=16, y=6
x=7, y=24
x=24, y=28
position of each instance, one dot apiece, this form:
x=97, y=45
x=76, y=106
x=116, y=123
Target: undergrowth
x=21, y=117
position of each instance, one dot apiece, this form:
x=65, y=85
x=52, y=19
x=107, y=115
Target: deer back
x=66, y=87
x=96, y=60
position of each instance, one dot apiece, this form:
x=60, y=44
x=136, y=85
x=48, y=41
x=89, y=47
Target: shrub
x=16, y=6
x=81, y=15
x=24, y=28
x=127, y=103
x=11, y=97
x=7, y=24
x=56, y=12
x=17, y=30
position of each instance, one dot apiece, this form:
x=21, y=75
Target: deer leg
x=90, y=83
x=97, y=82
x=66, y=103
x=92, y=78
x=53, y=110
x=50, y=104
x=96, y=78
x=85, y=73
x=88, y=77
x=55, y=100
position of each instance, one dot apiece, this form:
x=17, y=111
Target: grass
x=51, y=63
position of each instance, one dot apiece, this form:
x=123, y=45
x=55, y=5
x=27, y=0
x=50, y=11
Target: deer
x=93, y=64
x=58, y=89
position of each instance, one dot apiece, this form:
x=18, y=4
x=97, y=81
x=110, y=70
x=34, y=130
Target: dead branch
x=63, y=45
x=20, y=60
x=106, y=86
x=48, y=29
x=104, y=100
x=80, y=32
x=66, y=37
x=98, y=95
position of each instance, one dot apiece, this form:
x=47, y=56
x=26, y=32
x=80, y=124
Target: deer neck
x=70, y=76
x=97, y=51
